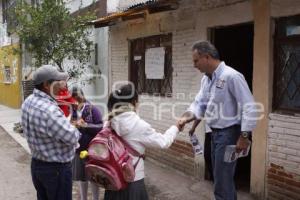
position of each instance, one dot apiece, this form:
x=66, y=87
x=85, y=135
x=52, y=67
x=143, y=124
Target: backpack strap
x=134, y=152
x=128, y=147
x=137, y=162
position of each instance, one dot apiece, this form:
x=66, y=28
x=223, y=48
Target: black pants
x=207, y=157
x=135, y=191
x=52, y=181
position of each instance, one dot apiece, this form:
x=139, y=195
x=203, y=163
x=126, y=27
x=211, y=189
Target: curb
x=8, y=128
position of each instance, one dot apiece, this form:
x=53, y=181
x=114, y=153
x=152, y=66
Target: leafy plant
x=52, y=35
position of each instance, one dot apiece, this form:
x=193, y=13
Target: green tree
x=52, y=35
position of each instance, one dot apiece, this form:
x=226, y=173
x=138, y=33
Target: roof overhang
x=136, y=11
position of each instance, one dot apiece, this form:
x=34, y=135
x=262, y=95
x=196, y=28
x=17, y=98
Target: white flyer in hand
x=231, y=154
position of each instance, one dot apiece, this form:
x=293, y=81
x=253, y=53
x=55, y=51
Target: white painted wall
x=112, y=6
x=1, y=12
x=97, y=91
x=74, y=5
x=5, y=40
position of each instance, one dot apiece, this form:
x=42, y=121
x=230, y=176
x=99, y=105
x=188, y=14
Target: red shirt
x=65, y=101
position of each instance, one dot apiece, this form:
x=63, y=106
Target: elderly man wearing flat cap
x=51, y=137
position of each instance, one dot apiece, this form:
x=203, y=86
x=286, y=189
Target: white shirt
x=225, y=100
x=139, y=135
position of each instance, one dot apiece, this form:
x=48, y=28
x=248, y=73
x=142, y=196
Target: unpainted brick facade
x=283, y=157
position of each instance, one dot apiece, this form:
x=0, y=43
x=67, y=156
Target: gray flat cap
x=48, y=72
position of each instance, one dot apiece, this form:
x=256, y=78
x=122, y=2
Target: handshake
x=181, y=123
x=184, y=119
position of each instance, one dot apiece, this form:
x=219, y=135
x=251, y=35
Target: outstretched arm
x=196, y=110
x=187, y=117
x=194, y=126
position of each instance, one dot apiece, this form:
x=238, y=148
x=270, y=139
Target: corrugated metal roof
x=129, y=4
x=141, y=4
x=151, y=6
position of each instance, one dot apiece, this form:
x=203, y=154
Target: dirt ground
x=15, y=170
x=15, y=182
x=162, y=183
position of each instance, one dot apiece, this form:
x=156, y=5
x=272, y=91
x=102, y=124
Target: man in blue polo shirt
x=50, y=136
x=227, y=105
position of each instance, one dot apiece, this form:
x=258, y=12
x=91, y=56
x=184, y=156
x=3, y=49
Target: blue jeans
x=224, y=186
x=52, y=181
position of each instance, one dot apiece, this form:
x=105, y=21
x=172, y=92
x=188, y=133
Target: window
x=8, y=7
x=287, y=65
x=7, y=75
x=96, y=53
x=151, y=65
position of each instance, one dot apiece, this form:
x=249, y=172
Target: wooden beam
x=262, y=90
x=134, y=16
x=163, y=8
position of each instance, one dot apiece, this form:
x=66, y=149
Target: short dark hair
x=205, y=47
x=125, y=95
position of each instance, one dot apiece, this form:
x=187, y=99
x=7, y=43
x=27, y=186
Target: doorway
x=235, y=46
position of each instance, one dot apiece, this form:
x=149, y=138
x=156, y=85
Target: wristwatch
x=245, y=134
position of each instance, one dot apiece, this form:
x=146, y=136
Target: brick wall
x=179, y=156
x=283, y=175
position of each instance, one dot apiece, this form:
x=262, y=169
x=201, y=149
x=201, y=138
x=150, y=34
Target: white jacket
x=139, y=135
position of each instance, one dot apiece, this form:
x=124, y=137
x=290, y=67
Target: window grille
x=160, y=87
x=287, y=65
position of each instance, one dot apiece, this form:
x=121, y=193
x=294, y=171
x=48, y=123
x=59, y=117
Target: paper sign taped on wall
x=155, y=63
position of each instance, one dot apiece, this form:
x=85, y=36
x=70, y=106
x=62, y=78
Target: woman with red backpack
x=137, y=133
